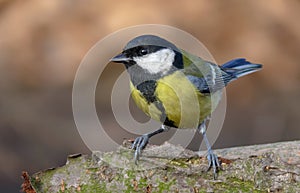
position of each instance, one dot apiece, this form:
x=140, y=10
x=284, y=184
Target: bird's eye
x=143, y=51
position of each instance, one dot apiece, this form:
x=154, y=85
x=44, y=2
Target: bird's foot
x=139, y=144
x=213, y=162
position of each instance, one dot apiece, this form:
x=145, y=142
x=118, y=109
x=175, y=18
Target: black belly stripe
x=147, y=89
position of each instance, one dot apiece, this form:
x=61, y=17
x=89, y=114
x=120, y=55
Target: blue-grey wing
x=210, y=83
x=199, y=83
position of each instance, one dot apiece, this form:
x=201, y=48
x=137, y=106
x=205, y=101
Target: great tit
x=176, y=88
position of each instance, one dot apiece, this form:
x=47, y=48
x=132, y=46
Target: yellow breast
x=183, y=104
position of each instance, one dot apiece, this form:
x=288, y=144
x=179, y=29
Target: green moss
x=237, y=185
x=143, y=183
x=38, y=180
x=88, y=174
x=36, y=183
x=94, y=188
x=165, y=186
x=129, y=180
x=179, y=163
x=191, y=181
x=184, y=162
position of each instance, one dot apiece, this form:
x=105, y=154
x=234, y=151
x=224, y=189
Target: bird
x=176, y=88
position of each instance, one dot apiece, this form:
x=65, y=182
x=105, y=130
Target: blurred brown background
x=43, y=42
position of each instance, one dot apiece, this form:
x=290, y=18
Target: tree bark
x=169, y=168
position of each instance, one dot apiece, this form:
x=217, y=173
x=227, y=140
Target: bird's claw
x=213, y=162
x=139, y=144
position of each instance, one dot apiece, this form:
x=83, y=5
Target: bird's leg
x=212, y=158
x=141, y=142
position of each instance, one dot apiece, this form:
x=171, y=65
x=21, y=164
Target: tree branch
x=169, y=168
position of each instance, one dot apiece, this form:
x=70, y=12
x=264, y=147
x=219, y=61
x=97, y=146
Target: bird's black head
x=152, y=54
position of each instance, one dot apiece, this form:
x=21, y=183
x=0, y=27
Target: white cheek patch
x=157, y=62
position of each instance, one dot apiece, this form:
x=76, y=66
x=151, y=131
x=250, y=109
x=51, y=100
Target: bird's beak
x=120, y=58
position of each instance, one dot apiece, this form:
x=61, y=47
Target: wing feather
x=206, y=76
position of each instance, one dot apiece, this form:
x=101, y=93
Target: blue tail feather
x=240, y=67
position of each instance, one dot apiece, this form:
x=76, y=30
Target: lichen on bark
x=170, y=168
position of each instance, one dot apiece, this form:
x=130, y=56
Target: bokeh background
x=43, y=42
